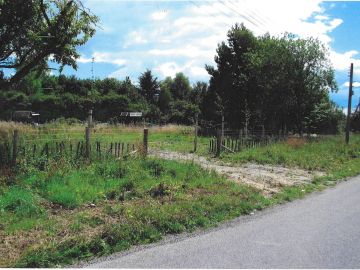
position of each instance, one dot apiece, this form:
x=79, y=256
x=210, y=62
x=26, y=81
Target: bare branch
x=42, y=6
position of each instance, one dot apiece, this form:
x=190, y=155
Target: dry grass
x=8, y=127
x=136, y=128
x=14, y=245
x=295, y=142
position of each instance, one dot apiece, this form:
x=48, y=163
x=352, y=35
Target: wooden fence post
x=87, y=142
x=90, y=118
x=15, y=147
x=196, y=133
x=222, y=125
x=145, y=142
x=218, y=143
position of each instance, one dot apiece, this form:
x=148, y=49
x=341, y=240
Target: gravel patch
x=268, y=178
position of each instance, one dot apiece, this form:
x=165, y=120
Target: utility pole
x=92, y=68
x=347, y=135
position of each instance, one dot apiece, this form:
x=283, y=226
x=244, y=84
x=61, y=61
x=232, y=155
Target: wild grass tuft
x=330, y=154
x=107, y=206
x=20, y=201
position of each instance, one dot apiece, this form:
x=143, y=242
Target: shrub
x=155, y=167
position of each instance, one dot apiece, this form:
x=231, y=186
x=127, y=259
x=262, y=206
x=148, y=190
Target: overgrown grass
x=61, y=210
x=329, y=154
x=20, y=201
x=73, y=211
x=169, y=137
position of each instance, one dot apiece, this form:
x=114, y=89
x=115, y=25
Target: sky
x=182, y=36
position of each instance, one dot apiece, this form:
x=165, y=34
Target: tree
x=180, y=87
x=164, y=100
x=183, y=112
x=149, y=87
x=311, y=78
x=32, y=31
x=324, y=118
x=355, y=121
x=231, y=81
x=275, y=82
x=198, y=93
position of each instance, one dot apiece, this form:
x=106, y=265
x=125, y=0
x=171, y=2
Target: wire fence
x=76, y=145
x=236, y=140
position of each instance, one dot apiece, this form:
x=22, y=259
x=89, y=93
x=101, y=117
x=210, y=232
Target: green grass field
x=70, y=211
x=170, y=137
x=59, y=210
x=329, y=155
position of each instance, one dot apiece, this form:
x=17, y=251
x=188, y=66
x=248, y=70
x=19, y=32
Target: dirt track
x=268, y=178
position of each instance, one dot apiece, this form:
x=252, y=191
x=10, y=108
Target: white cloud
x=83, y=59
x=195, y=35
x=344, y=110
x=342, y=61
x=103, y=57
x=169, y=69
x=159, y=15
x=321, y=17
x=190, y=68
x=135, y=37
x=187, y=42
x=199, y=71
x=355, y=84
x=189, y=51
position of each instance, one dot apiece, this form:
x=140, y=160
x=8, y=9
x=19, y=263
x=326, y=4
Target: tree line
x=282, y=83
x=172, y=100
x=277, y=83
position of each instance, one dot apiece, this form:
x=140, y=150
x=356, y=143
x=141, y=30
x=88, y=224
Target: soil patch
x=268, y=178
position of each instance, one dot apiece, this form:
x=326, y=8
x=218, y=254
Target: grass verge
x=330, y=155
x=60, y=212
x=69, y=213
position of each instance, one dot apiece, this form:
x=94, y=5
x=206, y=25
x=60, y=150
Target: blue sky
x=181, y=36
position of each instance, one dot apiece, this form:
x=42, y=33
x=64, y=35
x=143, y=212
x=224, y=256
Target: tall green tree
x=231, y=81
x=149, y=86
x=198, y=93
x=180, y=87
x=32, y=31
x=165, y=99
x=355, y=121
x=275, y=82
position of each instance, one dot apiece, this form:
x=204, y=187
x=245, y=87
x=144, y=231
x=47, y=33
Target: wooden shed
x=25, y=116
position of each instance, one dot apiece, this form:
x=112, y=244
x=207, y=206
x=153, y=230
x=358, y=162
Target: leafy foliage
x=276, y=82
x=149, y=87
x=355, y=121
x=31, y=31
x=279, y=83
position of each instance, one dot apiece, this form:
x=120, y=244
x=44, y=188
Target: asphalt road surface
x=320, y=231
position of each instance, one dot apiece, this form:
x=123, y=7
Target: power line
x=228, y=16
x=212, y=15
x=248, y=15
x=242, y=15
x=262, y=18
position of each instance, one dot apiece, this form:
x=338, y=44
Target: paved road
x=320, y=231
